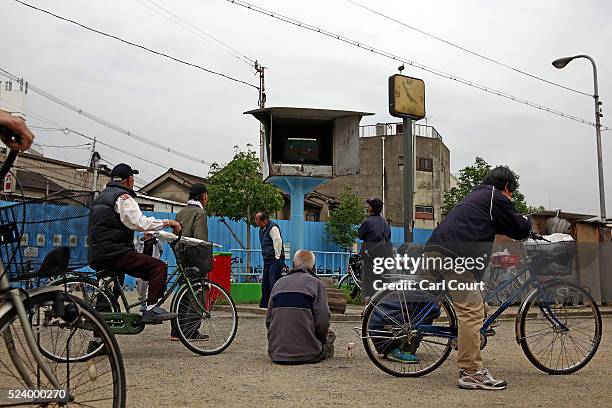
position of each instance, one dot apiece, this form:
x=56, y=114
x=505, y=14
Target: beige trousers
x=471, y=312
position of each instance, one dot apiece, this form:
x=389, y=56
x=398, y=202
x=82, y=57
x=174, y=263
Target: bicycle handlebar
x=12, y=155
x=537, y=237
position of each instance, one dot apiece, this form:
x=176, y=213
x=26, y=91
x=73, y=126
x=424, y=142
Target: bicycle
x=199, y=303
x=352, y=279
x=558, y=325
x=41, y=327
x=503, y=273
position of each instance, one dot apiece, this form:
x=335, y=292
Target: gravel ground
x=164, y=373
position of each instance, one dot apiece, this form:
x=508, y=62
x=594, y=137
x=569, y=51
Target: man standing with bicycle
x=469, y=231
x=114, y=218
x=195, y=225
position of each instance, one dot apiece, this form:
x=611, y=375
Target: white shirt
x=196, y=203
x=277, y=241
x=131, y=216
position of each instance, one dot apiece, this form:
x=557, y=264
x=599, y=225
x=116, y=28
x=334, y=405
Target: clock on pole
x=406, y=97
x=407, y=101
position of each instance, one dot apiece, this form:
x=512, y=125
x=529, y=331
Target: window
x=400, y=160
x=423, y=212
x=312, y=216
x=424, y=164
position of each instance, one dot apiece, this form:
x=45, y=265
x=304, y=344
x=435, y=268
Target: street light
x=561, y=63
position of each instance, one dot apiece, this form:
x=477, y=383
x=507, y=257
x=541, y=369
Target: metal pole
x=408, y=179
x=602, y=194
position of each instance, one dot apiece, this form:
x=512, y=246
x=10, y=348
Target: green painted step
x=246, y=292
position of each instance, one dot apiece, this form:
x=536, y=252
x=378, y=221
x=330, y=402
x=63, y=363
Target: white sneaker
x=481, y=379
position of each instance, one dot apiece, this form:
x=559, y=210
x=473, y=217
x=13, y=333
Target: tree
x=343, y=222
x=237, y=190
x=472, y=176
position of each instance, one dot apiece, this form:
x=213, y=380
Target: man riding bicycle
x=114, y=218
x=469, y=231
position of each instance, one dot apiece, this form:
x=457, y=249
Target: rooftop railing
x=397, y=128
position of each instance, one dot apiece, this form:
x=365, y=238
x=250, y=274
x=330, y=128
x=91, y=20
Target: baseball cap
x=122, y=171
x=197, y=189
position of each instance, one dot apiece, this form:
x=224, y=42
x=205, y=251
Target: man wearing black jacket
x=468, y=231
x=375, y=233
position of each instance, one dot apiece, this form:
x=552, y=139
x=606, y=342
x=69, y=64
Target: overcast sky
x=201, y=114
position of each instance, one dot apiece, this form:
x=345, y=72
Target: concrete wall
x=429, y=186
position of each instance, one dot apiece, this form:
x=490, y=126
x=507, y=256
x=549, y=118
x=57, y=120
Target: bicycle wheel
x=391, y=321
x=208, y=311
x=346, y=282
x=560, y=327
x=58, y=321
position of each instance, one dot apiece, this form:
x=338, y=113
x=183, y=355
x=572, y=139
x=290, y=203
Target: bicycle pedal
x=490, y=332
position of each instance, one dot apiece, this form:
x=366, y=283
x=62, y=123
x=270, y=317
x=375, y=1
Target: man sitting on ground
x=298, y=316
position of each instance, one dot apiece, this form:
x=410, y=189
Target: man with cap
x=194, y=220
x=376, y=236
x=114, y=218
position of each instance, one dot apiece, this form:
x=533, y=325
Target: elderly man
x=114, y=218
x=273, y=254
x=298, y=316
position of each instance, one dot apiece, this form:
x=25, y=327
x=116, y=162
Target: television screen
x=302, y=149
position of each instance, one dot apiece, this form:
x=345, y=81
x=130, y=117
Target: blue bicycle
x=558, y=324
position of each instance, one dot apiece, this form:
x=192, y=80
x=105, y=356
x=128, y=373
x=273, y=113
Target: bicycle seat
x=54, y=264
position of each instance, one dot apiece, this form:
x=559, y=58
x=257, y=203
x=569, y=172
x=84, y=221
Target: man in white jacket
x=114, y=218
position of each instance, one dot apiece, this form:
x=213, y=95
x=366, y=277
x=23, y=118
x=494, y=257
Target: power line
x=78, y=146
x=198, y=32
x=405, y=61
x=104, y=122
x=161, y=54
x=452, y=44
x=67, y=131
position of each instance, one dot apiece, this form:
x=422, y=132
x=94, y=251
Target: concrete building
x=14, y=97
x=316, y=207
x=381, y=175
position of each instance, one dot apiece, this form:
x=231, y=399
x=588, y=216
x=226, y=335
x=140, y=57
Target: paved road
x=163, y=373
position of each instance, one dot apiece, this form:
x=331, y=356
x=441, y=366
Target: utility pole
x=95, y=159
x=261, y=70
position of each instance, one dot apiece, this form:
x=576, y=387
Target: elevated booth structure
x=303, y=148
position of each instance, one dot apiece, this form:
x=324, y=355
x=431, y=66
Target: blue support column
x=297, y=187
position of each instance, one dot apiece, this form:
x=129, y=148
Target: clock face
x=406, y=97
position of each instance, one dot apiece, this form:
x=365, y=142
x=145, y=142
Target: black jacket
x=109, y=239
x=374, y=229
x=267, y=244
x=470, y=228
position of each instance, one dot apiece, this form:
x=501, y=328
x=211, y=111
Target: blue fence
x=331, y=259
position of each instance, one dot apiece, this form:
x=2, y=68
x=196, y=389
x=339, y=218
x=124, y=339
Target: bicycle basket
x=196, y=260
x=31, y=230
x=551, y=259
